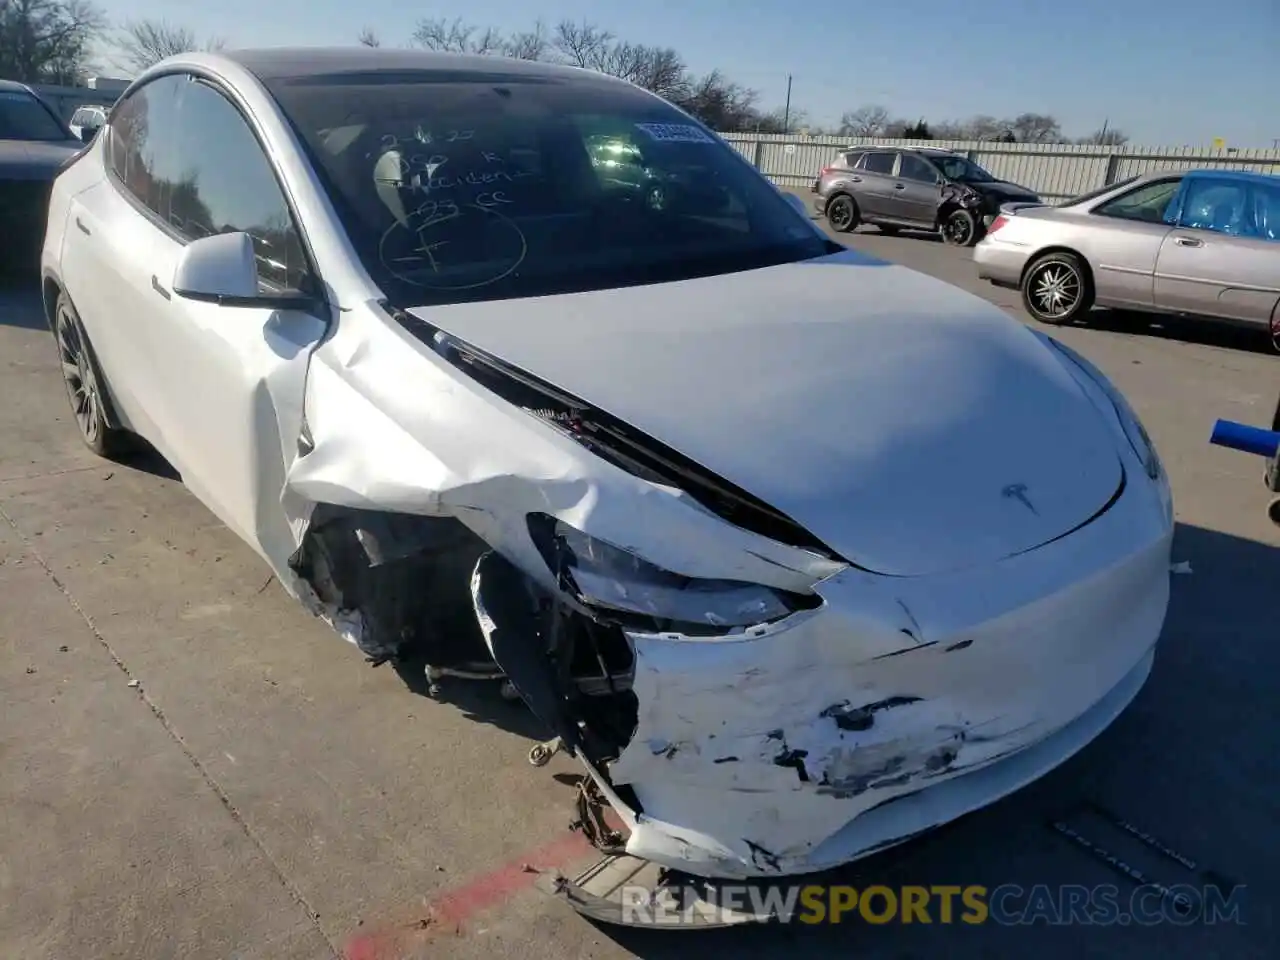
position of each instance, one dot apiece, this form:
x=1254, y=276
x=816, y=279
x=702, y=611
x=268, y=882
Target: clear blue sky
x=1165, y=71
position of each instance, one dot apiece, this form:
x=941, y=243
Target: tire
x=959, y=228
x=842, y=213
x=1056, y=289
x=83, y=380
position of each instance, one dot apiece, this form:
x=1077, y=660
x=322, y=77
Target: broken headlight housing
x=622, y=587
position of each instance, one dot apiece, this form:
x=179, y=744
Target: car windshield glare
x=23, y=117
x=456, y=186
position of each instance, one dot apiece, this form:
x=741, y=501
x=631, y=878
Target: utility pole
x=786, y=112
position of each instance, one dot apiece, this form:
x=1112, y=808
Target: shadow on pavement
x=20, y=304
x=1192, y=762
x=1165, y=327
x=478, y=700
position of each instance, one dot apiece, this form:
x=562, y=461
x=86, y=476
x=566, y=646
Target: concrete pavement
x=206, y=772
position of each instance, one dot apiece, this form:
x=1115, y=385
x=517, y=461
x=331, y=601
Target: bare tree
x=529, y=44
x=48, y=41
x=457, y=37
x=1036, y=128
x=712, y=98
x=1107, y=137
x=726, y=106
x=583, y=44
x=368, y=38
x=983, y=127
x=869, y=121
x=143, y=43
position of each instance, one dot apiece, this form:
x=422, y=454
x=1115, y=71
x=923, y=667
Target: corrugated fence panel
x=1055, y=171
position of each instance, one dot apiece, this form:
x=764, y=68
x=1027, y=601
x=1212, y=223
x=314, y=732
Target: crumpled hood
x=911, y=426
x=34, y=160
x=1003, y=190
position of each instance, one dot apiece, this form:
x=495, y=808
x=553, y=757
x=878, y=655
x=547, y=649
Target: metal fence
x=1055, y=171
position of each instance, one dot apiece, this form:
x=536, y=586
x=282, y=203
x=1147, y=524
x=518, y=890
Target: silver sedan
x=1204, y=243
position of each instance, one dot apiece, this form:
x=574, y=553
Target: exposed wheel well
x=1084, y=263
x=49, y=290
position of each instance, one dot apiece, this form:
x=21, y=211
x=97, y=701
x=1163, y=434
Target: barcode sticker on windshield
x=675, y=132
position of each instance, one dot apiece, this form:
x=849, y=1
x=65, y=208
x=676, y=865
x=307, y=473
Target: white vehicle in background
x=87, y=120
x=801, y=553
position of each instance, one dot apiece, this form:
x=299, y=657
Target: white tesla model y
x=521, y=370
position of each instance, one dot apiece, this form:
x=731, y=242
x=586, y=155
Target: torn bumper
x=811, y=744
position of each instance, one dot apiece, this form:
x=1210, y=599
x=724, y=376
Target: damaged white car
x=519, y=369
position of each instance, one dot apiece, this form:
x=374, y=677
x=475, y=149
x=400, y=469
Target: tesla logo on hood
x=1018, y=491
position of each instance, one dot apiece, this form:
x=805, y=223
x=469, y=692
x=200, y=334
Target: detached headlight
x=631, y=590
x=1133, y=428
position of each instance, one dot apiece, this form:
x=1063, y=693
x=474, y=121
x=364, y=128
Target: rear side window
x=1266, y=211
x=1147, y=203
x=140, y=143
x=879, y=162
x=851, y=159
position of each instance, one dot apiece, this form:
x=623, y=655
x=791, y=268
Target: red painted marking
x=451, y=910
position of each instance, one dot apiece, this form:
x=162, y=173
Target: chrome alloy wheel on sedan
x=1056, y=289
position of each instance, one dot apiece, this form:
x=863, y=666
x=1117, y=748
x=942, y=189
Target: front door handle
x=1188, y=242
x=83, y=228
x=899, y=186
x=155, y=285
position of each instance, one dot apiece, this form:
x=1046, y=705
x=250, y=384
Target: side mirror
x=223, y=269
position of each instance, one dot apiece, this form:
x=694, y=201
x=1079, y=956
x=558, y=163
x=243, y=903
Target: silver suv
x=917, y=188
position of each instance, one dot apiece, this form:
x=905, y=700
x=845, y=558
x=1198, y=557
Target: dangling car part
x=798, y=552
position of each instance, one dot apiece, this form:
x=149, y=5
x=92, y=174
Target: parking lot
x=194, y=768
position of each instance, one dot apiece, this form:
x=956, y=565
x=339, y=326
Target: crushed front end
x=889, y=708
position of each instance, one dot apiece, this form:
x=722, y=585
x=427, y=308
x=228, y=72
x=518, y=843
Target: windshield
x=23, y=117
x=460, y=187
x=962, y=169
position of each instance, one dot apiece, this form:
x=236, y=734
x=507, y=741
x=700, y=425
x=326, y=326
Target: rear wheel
x=1056, y=289
x=81, y=377
x=842, y=213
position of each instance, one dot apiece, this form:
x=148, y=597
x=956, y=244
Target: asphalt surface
x=193, y=768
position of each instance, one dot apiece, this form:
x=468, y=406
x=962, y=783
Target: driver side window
x=914, y=168
x=225, y=183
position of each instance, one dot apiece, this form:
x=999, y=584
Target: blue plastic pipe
x=1247, y=439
